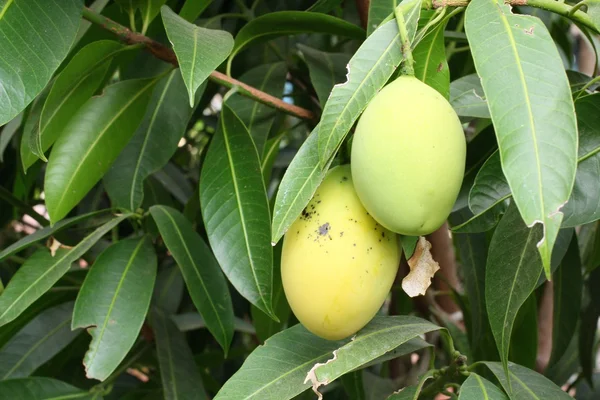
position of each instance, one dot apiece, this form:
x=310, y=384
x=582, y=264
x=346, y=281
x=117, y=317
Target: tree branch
x=166, y=54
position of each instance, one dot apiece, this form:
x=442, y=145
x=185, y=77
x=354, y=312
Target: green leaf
x=201, y=272
x=324, y=6
x=512, y=272
x=149, y=10
x=153, y=143
x=477, y=388
x=42, y=270
x=77, y=82
x=285, y=23
x=91, y=142
x=258, y=118
x=192, y=9
x=190, y=321
x=168, y=289
x=179, y=373
x=199, y=50
x=524, y=339
x=567, y=365
x=33, y=45
x=31, y=127
x=431, y=66
x=407, y=393
x=526, y=384
x=539, y=154
x=381, y=335
x=326, y=69
x=236, y=211
x=353, y=385
x=46, y=232
x=8, y=132
x=379, y=10
x=368, y=71
x=467, y=98
x=39, y=388
x=588, y=328
x=113, y=302
x=37, y=342
x=568, y=287
x=271, y=152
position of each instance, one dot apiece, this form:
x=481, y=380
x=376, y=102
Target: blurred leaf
x=568, y=287
x=179, y=373
x=168, y=290
x=192, y=9
x=77, y=82
x=512, y=272
x=525, y=383
x=353, y=385
x=564, y=368
x=47, y=232
x=524, y=339
x=376, y=387
x=407, y=393
x=31, y=126
x=38, y=388
x=236, y=211
x=477, y=388
x=199, y=51
x=431, y=66
x=41, y=271
x=326, y=69
x=190, y=321
x=589, y=326
x=201, y=272
x=113, y=302
x=258, y=118
x=175, y=181
x=378, y=11
x=8, y=132
x=271, y=152
x=539, y=154
x=32, y=51
x=368, y=71
x=40, y=340
x=285, y=23
x=149, y=10
x=467, y=98
x=153, y=143
x=91, y=142
x=585, y=392
x=324, y=6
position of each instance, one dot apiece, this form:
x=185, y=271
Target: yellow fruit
x=338, y=264
x=408, y=157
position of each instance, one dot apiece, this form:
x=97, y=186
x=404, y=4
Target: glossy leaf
x=91, y=142
x=526, y=384
x=179, y=373
x=39, y=388
x=41, y=271
x=477, y=387
x=467, y=98
x=378, y=11
x=37, y=342
x=236, y=211
x=33, y=45
x=258, y=118
x=368, y=71
x=201, y=272
x=431, y=66
x=285, y=23
x=326, y=69
x=153, y=143
x=530, y=102
x=199, y=50
x=113, y=303
x=512, y=272
x=77, y=82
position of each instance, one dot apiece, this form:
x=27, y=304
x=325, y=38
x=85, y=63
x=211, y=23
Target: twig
x=166, y=54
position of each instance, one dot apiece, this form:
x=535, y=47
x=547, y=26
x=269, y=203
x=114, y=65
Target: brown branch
x=363, y=11
x=166, y=54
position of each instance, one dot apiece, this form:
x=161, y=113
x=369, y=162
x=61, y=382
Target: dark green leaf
x=113, y=303
x=368, y=71
x=284, y=23
x=539, y=154
x=168, y=289
x=175, y=181
x=41, y=339
x=180, y=376
x=199, y=51
x=407, y=393
x=431, y=66
x=524, y=338
x=353, y=385
x=467, y=98
x=568, y=365
x=589, y=326
x=33, y=45
x=153, y=143
x=326, y=69
x=477, y=388
x=202, y=275
x=8, y=132
x=324, y=6
x=190, y=321
x=236, y=211
x=271, y=152
x=149, y=10
x=258, y=118
x=42, y=270
x=38, y=388
x=378, y=11
x=512, y=272
x=193, y=8
x=91, y=142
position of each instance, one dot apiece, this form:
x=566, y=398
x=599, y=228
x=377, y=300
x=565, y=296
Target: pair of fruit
x=340, y=257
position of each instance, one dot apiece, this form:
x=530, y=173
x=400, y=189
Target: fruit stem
x=407, y=67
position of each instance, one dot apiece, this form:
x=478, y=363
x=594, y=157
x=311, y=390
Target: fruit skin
x=408, y=157
x=338, y=264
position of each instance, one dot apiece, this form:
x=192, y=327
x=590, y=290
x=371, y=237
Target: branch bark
x=166, y=54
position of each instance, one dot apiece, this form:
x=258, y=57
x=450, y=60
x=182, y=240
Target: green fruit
x=338, y=264
x=408, y=157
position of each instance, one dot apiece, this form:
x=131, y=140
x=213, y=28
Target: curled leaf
x=422, y=268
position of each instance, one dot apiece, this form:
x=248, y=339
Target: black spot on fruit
x=341, y=234
x=323, y=229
